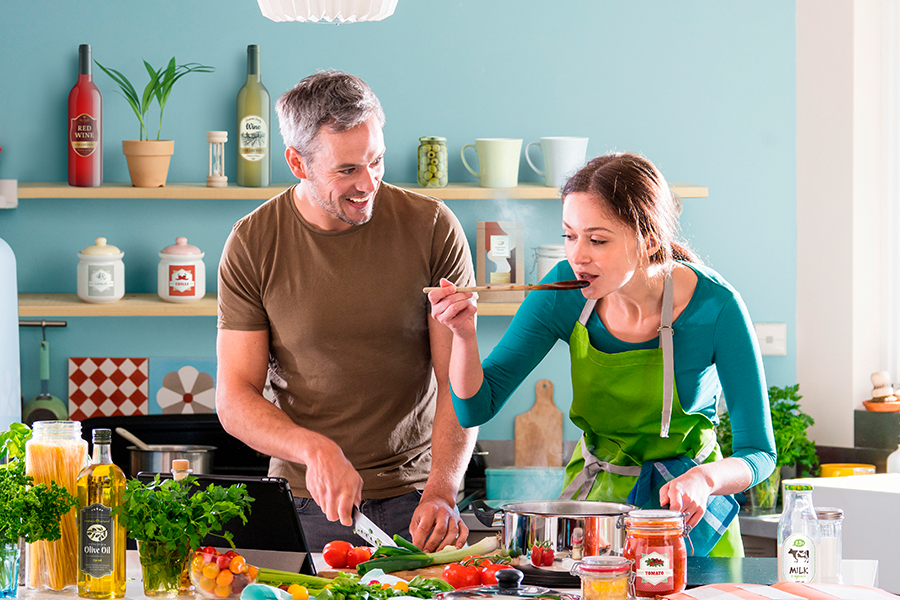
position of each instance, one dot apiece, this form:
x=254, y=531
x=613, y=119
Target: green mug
x=498, y=161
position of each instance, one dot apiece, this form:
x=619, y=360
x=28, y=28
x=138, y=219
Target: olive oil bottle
x=101, y=538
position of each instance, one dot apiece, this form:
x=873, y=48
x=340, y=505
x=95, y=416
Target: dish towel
x=720, y=510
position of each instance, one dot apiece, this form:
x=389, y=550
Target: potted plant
x=794, y=448
x=171, y=517
x=28, y=512
x=148, y=160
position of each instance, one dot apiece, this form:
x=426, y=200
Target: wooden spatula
x=539, y=431
x=557, y=285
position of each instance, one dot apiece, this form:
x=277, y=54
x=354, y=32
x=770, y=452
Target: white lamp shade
x=344, y=11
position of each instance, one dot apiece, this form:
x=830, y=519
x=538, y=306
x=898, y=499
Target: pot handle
x=484, y=513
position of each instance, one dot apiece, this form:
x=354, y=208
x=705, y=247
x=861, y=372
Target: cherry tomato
x=460, y=576
x=537, y=556
x=222, y=561
x=358, y=554
x=489, y=573
x=547, y=557
x=335, y=553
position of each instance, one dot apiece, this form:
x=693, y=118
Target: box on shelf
x=500, y=259
x=876, y=429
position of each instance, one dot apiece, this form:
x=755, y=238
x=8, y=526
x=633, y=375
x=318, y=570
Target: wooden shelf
x=131, y=305
x=199, y=191
x=150, y=305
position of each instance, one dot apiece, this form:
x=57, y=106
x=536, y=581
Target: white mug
x=562, y=157
x=498, y=161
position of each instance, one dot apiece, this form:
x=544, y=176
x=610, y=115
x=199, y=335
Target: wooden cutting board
x=539, y=431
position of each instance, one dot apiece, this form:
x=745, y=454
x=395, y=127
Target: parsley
x=27, y=511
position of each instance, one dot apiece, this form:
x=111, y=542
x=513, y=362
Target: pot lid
x=181, y=248
x=101, y=248
x=508, y=585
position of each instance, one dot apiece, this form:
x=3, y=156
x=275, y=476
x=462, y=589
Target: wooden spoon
x=558, y=285
x=133, y=438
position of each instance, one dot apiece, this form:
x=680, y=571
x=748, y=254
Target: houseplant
x=148, y=160
x=171, y=517
x=794, y=448
x=28, y=512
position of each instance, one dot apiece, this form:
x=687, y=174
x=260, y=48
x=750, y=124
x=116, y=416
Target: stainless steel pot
x=159, y=458
x=554, y=521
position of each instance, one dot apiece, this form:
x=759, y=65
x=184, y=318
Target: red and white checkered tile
x=108, y=386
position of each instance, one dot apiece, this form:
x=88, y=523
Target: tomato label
x=654, y=570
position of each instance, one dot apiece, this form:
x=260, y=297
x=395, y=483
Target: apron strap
x=581, y=486
x=665, y=341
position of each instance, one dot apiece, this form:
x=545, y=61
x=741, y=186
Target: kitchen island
x=701, y=571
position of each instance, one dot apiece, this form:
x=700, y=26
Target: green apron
x=617, y=402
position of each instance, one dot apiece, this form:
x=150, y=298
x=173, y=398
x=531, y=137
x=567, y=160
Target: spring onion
x=406, y=557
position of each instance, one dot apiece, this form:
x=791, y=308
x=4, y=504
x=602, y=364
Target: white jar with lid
x=547, y=257
x=101, y=273
x=181, y=276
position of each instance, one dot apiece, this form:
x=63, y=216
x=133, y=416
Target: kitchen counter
x=701, y=571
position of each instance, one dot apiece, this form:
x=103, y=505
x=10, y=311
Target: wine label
x=97, y=542
x=182, y=281
x=100, y=280
x=798, y=559
x=84, y=134
x=253, y=138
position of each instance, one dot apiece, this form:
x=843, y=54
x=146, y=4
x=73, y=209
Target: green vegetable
x=159, y=87
x=406, y=557
x=171, y=511
x=27, y=511
x=347, y=586
x=275, y=578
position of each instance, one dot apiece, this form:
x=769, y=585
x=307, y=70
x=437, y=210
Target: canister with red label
x=181, y=272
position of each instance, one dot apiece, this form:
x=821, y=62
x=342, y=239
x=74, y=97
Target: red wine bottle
x=85, y=126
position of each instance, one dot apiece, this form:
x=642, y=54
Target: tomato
x=238, y=564
x=222, y=561
x=489, y=573
x=358, y=554
x=460, y=576
x=537, y=556
x=335, y=553
x=547, y=557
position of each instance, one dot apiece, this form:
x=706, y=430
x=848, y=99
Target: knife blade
x=365, y=528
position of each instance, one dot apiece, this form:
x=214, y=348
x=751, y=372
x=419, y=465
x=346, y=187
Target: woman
x=619, y=223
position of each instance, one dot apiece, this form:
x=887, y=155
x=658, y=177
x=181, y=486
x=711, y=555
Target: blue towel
x=720, y=510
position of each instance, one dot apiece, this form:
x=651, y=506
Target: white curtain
x=890, y=339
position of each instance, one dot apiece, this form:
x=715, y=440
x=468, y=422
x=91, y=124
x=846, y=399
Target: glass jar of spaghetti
x=604, y=577
x=55, y=452
x=654, y=540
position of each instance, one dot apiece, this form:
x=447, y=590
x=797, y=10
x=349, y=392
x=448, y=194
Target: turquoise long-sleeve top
x=715, y=349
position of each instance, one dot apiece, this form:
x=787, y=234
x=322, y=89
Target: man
x=321, y=286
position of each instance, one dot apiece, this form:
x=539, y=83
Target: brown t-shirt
x=349, y=353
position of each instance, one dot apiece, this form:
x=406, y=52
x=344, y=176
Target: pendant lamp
x=342, y=11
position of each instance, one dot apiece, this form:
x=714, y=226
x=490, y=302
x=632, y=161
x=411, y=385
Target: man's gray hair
x=334, y=99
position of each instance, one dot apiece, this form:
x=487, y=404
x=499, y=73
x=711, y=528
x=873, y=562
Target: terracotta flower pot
x=148, y=161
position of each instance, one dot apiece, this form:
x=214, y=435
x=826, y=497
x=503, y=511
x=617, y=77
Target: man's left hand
x=437, y=523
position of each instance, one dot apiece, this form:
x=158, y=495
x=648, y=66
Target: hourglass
x=216, y=141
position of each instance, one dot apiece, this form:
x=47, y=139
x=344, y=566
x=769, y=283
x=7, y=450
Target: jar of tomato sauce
x=654, y=540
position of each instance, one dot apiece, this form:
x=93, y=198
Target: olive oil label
x=100, y=281
x=97, y=540
x=253, y=138
x=798, y=559
x=84, y=134
x=181, y=280
x=654, y=571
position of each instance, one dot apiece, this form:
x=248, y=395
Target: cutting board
x=539, y=431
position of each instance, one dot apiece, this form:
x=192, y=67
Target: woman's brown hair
x=636, y=193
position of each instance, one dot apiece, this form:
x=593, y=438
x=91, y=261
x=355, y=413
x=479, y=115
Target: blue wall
x=704, y=89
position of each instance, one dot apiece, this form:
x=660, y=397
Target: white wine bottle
x=253, y=131
x=101, y=538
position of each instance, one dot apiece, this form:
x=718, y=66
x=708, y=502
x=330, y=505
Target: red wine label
x=181, y=280
x=84, y=134
x=253, y=138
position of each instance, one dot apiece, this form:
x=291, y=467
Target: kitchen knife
x=369, y=531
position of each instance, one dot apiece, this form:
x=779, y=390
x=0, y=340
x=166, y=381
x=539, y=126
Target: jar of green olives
x=432, y=162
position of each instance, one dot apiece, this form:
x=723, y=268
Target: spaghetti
x=57, y=453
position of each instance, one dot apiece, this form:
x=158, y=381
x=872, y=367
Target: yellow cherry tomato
x=298, y=592
x=401, y=586
x=222, y=591
x=225, y=577
x=211, y=570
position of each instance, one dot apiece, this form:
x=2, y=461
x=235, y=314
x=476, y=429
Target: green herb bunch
x=159, y=88
x=27, y=511
x=790, y=425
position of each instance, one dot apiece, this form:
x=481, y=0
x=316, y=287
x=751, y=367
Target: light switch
x=772, y=338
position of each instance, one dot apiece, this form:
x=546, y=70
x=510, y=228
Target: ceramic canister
x=181, y=273
x=101, y=273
